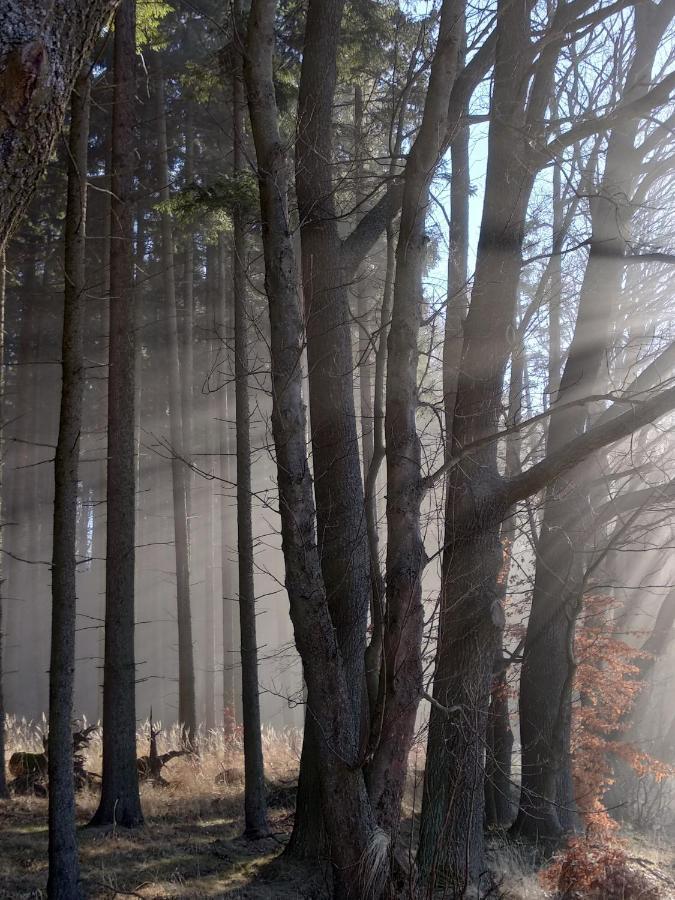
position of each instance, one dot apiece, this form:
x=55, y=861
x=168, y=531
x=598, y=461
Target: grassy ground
x=191, y=845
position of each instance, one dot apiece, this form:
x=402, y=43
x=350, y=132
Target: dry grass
x=190, y=846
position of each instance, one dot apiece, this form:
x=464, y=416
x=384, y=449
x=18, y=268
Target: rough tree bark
x=41, y=54
x=3, y=277
x=499, y=745
x=187, y=711
x=471, y=615
x=338, y=486
x=64, y=865
x=186, y=339
x=120, y=801
x=255, y=806
x=618, y=796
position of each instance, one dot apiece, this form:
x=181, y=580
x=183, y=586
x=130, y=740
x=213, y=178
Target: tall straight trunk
x=120, y=801
x=255, y=806
x=374, y=650
x=3, y=278
x=187, y=332
x=64, y=865
x=458, y=265
x=217, y=273
x=187, y=344
x=210, y=720
x=458, y=299
x=349, y=822
x=363, y=311
x=187, y=712
x=555, y=295
x=210, y=426
x=499, y=745
x=546, y=671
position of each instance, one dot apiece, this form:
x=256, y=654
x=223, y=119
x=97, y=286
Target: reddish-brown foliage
x=588, y=871
x=606, y=685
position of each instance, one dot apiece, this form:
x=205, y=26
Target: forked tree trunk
x=255, y=806
x=187, y=712
x=64, y=864
x=338, y=486
x=120, y=801
x=329, y=697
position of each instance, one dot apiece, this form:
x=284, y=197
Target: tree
x=64, y=867
x=254, y=794
x=120, y=801
x=471, y=614
x=350, y=824
x=217, y=272
x=187, y=711
x=559, y=560
x=338, y=487
x=42, y=56
x=400, y=685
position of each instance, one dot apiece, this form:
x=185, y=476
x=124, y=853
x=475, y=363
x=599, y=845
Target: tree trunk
x=373, y=656
x=187, y=712
x=338, y=486
x=363, y=305
x=499, y=745
x=216, y=269
x=3, y=277
x=255, y=806
x=471, y=614
x=400, y=684
x=559, y=573
x=64, y=865
x=42, y=52
x=329, y=696
x=120, y=801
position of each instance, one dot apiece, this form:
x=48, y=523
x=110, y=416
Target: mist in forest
x=337, y=397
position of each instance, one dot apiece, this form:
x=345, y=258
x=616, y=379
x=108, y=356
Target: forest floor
x=191, y=845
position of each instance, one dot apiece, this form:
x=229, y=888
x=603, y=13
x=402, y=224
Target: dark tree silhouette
x=120, y=801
